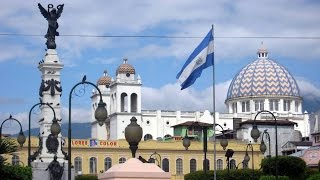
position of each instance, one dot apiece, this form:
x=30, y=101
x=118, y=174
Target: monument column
x=50, y=91
x=51, y=162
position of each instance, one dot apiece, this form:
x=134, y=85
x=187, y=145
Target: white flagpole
x=214, y=114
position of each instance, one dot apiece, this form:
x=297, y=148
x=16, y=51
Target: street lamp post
x=255, y=134
x=186, y=142
x=247, y=158
x=133, y=134
x=154, y=157
x=229, y=154
x=243, y=164
x=223, y=141
x=101, y=114
x=21, y=138
x=263, y=146
x=55, y=128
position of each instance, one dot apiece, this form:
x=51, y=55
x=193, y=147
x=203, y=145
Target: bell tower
x=125, y=99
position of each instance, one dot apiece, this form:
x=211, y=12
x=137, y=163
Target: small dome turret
x=262, y=52
x=105, y=79
x=125, y=68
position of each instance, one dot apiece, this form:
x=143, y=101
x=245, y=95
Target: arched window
x=134, y=102
x=193, y=165
x=114, y=106
x=147, y=137
x=93, y=165
x=15, y=160
x=165, y=165
x=219, y=164
x=107, y=163
x=179, y=167
x=77, y=165
x=124, y=102
x=168, y=136
x=208, y=164
x=122, y=160
x=233, y=164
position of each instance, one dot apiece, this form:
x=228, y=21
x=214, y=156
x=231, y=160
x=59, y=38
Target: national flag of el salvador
x=201, y=58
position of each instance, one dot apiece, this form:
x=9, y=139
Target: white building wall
x=113, y=128
x=97, y=131
x=283, y=131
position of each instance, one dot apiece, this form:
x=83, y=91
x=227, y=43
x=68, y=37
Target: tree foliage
x=86, y=177
x=314, y=177
x=293, y=167
x=238, y=174
x=7, y=145
x=9, y=172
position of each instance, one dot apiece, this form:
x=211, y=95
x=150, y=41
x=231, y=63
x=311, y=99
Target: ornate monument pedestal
x=39, y=171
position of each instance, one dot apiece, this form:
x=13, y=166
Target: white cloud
x=170, y=97
x=12, y=127
x=177, y=18
x=308, y=90
x=78, y=115
x=11, y=52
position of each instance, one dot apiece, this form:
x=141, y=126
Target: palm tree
x=7, y=145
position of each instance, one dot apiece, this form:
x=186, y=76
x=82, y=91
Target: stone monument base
x=39, y=171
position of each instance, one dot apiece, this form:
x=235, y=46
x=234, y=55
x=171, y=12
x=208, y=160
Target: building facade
x=263, y=84
x=92, y=156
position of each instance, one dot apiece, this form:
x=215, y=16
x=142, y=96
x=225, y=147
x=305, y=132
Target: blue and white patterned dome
x=263, y=77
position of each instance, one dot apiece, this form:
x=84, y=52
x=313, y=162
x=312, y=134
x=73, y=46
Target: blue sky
x=157, y=60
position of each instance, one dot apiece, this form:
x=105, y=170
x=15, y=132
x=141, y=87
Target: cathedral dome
x=125, y=68
x=263, y=77
x=105, y=79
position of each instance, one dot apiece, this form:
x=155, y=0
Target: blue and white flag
x=201, y=58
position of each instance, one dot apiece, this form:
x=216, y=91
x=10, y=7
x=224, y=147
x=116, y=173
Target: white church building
x=263, y=84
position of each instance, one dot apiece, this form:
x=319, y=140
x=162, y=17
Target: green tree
x=7, y=146
x=293, y=167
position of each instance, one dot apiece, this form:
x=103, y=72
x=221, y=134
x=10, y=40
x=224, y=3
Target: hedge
x=314, y=177
x=239, y=174
x=293, y=167
x=86, y=177
x=274, y=178
x=8, y=172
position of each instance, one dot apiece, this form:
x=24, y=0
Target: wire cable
x=171, y=37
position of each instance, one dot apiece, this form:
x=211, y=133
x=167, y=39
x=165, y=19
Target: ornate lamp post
x=101, y=114
x=229, y=154
x=133, y=134
x=55, y=129
x=154, y=157
x=243, y=164
x=186, y=142
x=263, y=146
x=255, y=134
x=223, y=141
x=21, y=138
x=246, y=158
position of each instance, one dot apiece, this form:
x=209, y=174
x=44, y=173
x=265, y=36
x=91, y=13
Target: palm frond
x=8, y=145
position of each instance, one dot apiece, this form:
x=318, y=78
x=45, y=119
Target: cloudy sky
x=239, y=29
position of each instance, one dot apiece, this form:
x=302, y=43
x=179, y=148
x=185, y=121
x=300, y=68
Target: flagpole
x=214, y=114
